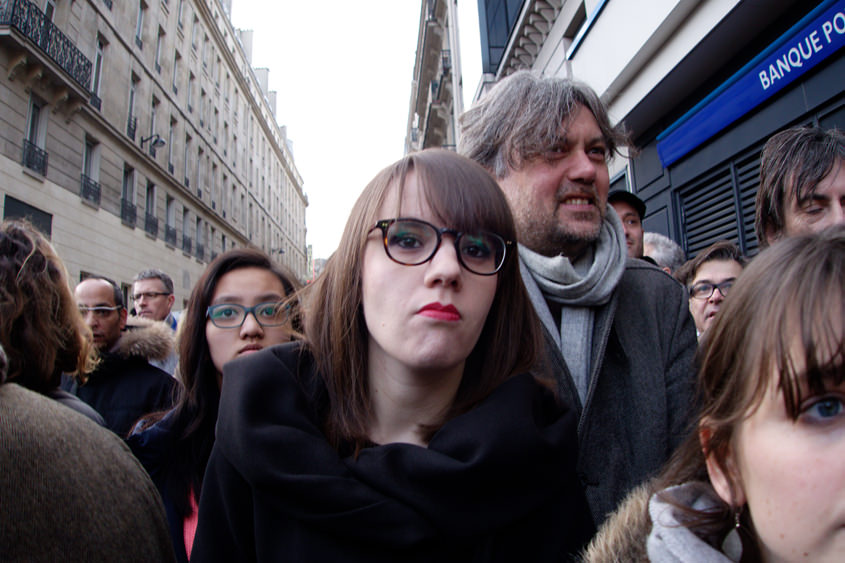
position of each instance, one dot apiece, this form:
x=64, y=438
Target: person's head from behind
x=772, y=386
x=101, y=303
x=152, y=293
x=40, y=326
x=708, y=278
x=425, y=280
x=547, y=141
x=663, y=250
x=238, y=306
x=802, y=183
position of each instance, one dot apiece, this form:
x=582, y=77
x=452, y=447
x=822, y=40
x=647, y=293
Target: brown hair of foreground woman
x=763, y=477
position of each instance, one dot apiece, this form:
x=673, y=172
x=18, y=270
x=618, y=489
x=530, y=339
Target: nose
x=444, y=266
x=837, y=213
x=251, y=327
x=581, y=167
x=90, y=318
x=717, y=296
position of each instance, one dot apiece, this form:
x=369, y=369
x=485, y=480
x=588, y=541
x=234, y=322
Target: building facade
x=136, y=135
x=700, y=86
x=437, y=90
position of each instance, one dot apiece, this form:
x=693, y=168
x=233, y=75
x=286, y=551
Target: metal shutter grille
x=748, y=176
x=708, y=211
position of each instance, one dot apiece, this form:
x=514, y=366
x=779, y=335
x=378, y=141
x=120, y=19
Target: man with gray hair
x=668, y=255
x=152, y=293
x=619, y=337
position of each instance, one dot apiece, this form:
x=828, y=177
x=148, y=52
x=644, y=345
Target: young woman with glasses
x=241, y=304
x=405, y=426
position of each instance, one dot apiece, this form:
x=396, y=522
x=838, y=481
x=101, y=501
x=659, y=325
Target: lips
x=440, y=312
x=250, y=348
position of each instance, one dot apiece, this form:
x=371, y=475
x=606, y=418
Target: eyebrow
x=711, y=282
x=237, y=299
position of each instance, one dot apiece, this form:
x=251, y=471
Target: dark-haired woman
x=239, y=306
x=406, y=427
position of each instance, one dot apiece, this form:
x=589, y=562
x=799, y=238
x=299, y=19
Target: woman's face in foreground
x=424, y=317
x=792, y=474
x=245, y=287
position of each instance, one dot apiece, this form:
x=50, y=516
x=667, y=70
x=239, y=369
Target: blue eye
x=823, y=410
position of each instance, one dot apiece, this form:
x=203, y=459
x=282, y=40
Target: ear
x=123, y=315
x=170, y=300
x=772, y=235
x=724, y=476
x=667, y=270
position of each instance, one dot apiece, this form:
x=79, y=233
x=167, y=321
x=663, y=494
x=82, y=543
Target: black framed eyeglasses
x=232, y=315
x=705, y=290
x=411, y=242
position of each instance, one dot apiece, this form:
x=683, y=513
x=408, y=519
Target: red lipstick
x=440, y=312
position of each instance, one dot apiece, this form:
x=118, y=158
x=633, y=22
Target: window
x=194, y=31
x=170, y=134
x=179, y=12
x=199, y=172
x=128, y=191
x=98, y=69
x=213, y=182
x=170, y=210
x=49, y=9
x=132, y=121
x=177, y=62
x=190, y=92
x=34, y=156
x=151, y=199
x=139, y=27
x=89, y=186
x=159, y=41
x=187, y=159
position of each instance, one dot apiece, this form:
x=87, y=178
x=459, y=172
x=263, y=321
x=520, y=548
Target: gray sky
x=343, y=73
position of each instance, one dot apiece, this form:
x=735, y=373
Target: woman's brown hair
x=782, y=326
x=40, y=326
x=465, y=197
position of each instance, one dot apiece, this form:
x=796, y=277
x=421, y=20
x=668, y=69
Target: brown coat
x=623, y=536
x=71, y=490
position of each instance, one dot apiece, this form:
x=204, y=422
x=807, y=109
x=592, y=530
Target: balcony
x=34, y=158
x=131, y=126
x=170, y=167
x=170, y=235
x=186, y=244
x=89, y=190
x=96, y=101
x=26, y=26
x=151, y=224
x=128, y=212
x=108, y=4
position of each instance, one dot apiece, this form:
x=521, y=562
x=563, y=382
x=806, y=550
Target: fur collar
x=151, y=340
x=623, y=535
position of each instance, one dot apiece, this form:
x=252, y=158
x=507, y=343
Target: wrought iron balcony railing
x=151, y=224
x=170, y=235
x=27, y=18
x=96, y=101
x=128, y=212
x=34, y=157
x=89, y=190
x=186, y=244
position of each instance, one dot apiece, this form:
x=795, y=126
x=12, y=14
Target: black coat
x=495, y=484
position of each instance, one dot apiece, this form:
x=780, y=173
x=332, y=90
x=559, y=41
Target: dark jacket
x=70, y=490
x=124, y=386
x=153, y=447
x=495, y=484
x=640, y=397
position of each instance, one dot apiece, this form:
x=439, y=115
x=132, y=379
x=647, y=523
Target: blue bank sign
x=817, y=36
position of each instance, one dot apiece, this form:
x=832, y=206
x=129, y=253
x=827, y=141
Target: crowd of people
x=496, y=364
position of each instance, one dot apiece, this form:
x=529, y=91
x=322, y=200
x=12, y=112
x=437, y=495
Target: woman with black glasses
x=405, y=427
x=240, y=305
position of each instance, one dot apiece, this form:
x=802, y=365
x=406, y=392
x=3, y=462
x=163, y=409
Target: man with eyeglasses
x=708, y=278
x=152, y=293
x=619, y=337
x=123, y=386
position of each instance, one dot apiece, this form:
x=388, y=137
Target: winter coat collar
x=143, y=338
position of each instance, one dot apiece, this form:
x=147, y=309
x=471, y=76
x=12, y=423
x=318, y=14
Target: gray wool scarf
x=588, y=282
